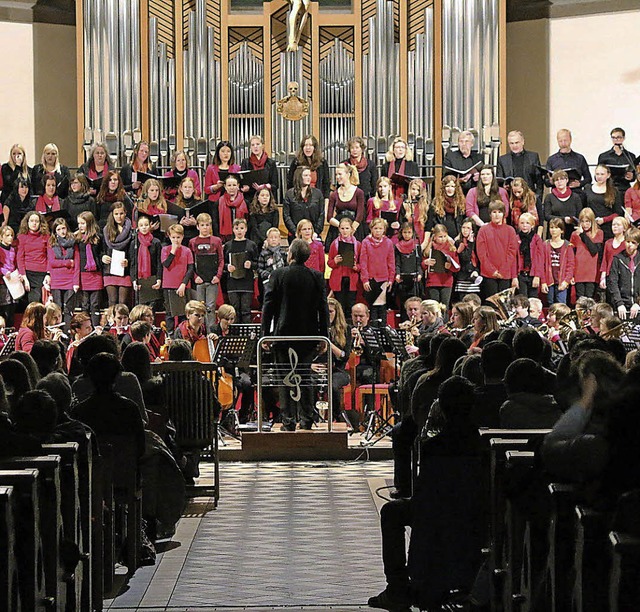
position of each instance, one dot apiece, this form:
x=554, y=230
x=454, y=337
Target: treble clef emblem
x=292, y=379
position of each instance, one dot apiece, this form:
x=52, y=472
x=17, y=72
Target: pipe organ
x=185, y=74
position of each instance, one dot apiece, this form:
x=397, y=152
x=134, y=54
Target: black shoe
x=393, y=603
x=287, y=427
x=399, y=494
x=306, y=426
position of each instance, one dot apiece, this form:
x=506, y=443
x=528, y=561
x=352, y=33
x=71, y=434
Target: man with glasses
x=618, y=156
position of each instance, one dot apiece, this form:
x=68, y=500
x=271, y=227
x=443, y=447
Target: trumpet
x=358, y=345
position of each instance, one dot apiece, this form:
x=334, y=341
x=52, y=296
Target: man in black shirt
x=619, y=156
x=519, y=162
x=462, y=160
x=566, y=159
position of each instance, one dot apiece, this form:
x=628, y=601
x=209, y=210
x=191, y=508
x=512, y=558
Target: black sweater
x=323, y=182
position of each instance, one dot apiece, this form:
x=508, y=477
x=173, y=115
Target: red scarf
x=91, y=262
x=144, y=255
x=360, y=165
x=406, y=247
x=45, y=204
x=449, y=205
x=188, y=334
x=394, y=169
x=225, y=204
x=93, y=174
x=258, y=164
x=561, y=195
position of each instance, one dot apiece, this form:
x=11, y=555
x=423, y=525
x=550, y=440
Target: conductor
x=295, y=304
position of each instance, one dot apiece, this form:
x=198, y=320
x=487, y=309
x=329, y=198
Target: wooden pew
x=76, y=555
x=29, y=553
x=192, y=406
x=9, y=598
x=496, y=443
x=624, y=581
x=127, y=495
x=51, y=523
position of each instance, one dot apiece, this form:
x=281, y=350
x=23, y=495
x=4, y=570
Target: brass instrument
x=569, y=324
x=358, y=344
x=407, y=327
x=458, y=331
x=502, y=303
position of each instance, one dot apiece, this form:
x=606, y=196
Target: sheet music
x=117, y=258
x=14, y=285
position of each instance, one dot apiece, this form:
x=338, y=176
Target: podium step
x=317, y=444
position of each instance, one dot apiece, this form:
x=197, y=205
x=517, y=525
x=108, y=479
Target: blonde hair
x=176, y=228
x=194, y=307
x=378, y=221
x=272, y=230
x=225, y=311
x=390, y=156
x=433, y=306
x=588, y=214
x=24, y=173
x=352, y=172
x=526, y=216
x=203, y=218
x=47, y=149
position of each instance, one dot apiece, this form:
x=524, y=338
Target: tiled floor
x=286, y=536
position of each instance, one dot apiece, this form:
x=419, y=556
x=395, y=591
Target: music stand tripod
x=377, y=425
x=237, y=351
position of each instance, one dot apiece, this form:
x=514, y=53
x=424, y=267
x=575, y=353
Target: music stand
x=375, y=341
x=249, y=330
x=9, y=346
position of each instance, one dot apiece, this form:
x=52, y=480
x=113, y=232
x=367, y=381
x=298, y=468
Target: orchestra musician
x=485, y=328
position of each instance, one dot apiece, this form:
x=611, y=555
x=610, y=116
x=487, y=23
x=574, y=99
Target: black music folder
x=390, y=216
x=441, y=259
x=142, y=177
x=146, y=293
x=95, y=183
x=573, y=173
x=57, y=214
x=170, y=181
x=619, y=169
x=237, y=260
x=196, y=209
x=347, y=251
x=402, y=179
x=207, y=266
x=176, y=303
x=460, y=173
x=249, y=177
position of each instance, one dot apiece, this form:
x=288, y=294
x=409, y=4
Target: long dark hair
x=316, y=159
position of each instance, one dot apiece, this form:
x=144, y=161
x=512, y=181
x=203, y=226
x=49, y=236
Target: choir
x=102, y=236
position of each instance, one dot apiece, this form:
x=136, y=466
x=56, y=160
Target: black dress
x=595, y=201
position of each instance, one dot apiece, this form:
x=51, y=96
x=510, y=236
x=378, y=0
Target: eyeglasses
x=197, y=314
x=617, y=137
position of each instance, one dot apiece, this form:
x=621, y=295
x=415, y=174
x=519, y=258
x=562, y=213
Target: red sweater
x=212, y=245
x=632, y=201
x=497, y=248
x=316, y=259
x=65, y=273
x=178, y=270
x=586, y=270
x=26, y=339
x=211, y=178
x=377, y=260
x=609, y=253
x=537, y=256
x=567, y=263
x=32, y=252
x=338, y=271
x=443, y=279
